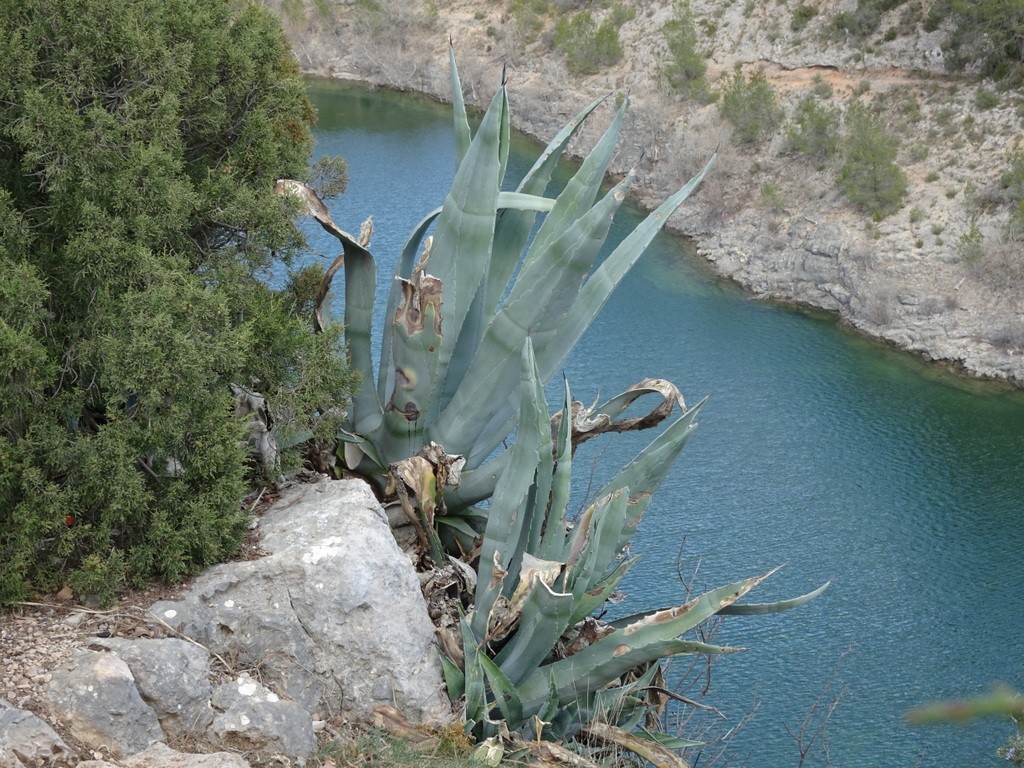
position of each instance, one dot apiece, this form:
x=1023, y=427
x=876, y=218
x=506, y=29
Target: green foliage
x=986, y=99
x=821, y=88
x=970, y=246
x=443, y=398
x=620, y=14
x=529, y=650
x=752, y=106
x=686, y=69
x=814, y=130
x=528, y=17
x=588, y=47
x=870, y=176
x=863, y=20
x=771, y=197
x=988, y=34
x=802, y=15
x=139, y=145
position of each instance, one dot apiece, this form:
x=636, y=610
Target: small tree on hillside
x=752, y=107
x=870, y=176
x=685, y=71
x=139, y=145
x=814, y=131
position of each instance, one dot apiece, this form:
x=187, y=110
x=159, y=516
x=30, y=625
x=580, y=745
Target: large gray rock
x=334, y=616
x=173, y=678
x=253, y=716
x=25, y=740
x=159, y=755
x=95, y=695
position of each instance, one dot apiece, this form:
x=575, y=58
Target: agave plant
x=531, y=657
x=429, y=421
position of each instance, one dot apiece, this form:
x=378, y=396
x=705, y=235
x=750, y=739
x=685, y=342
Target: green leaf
x=755, y=609
x=454, y=679
x=505, y=521
x=504, y=692
x=543, y=290
x=647, y=640
x=473, y=679
x=462, y=137
x=545, y=617
x=600, y=285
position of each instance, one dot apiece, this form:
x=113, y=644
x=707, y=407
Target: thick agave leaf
x=544, y=618
x=597, y=542
x=406, y=262
x=417, y=334
x=462, y=136
x=590, y=601
x=756, y=609
x=465, y=229
x=647, y=640
x=599, y=286
x=504, y=693
x=543, y=289
x=454, y=679
x=580, y=192
x=505, y=521
x=456, y=264
x=469, y=338
x=473, y=675
x=360, y=287
x=644, y=473
x=512, y=231
x=552, y=545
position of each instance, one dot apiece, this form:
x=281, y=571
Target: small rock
x=95, y=695
x=255, y=714
x=25, y=736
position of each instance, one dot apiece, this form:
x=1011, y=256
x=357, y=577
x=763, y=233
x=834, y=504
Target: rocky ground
x=903, y=279
x=247, y=665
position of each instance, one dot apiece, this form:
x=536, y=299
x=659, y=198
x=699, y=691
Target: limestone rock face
x=334, y=616
x=95, y=695
x=26, y=740
x=173, y=678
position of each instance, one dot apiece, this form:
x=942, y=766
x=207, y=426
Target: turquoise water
x=818, y=450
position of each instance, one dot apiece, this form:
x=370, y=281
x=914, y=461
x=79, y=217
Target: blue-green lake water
x=818, y=450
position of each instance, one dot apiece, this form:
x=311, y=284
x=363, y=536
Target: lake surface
x=819, y=450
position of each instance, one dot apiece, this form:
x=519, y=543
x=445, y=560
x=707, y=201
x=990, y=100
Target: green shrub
x=752, y=107
x=870, y=176
x=620, y=14
x=986, y=99
x=528, y=17
x=137, y=215
x=821, y=88
x=814, y=130
x=771, y=197
x=802, y=15
x=587, y=46
x=686, y=70
x=989, y=35
x=970, y=246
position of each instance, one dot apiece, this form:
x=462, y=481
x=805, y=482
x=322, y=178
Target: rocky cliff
x=940, y=276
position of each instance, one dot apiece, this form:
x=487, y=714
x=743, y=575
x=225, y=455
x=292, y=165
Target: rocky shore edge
x=900, y=281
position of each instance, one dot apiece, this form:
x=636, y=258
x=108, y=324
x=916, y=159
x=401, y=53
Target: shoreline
x=806, y=256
